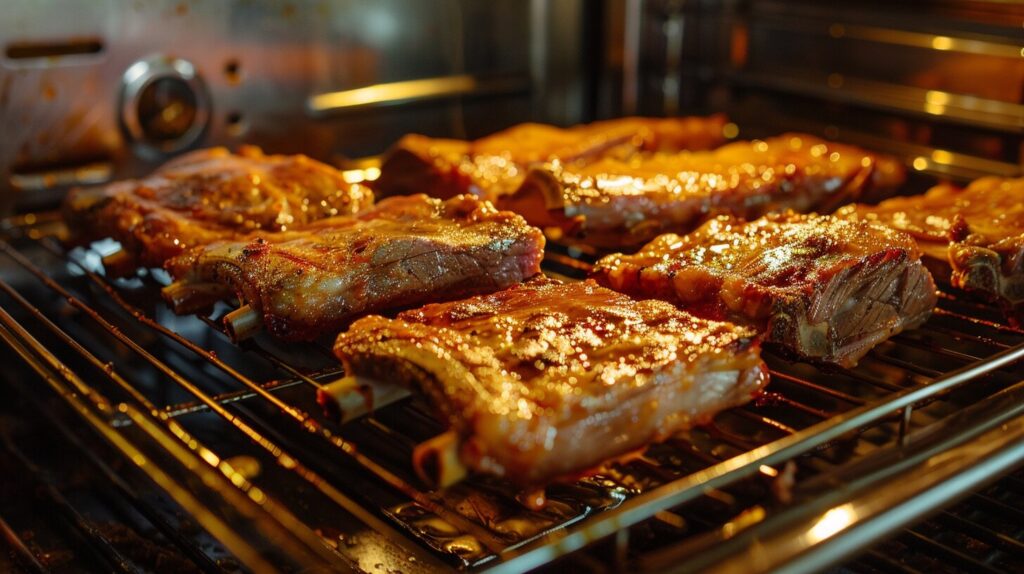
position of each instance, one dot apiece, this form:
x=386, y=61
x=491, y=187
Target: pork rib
x=207, y=195
x=973, y=237
x=824, y=288
x=494, y=165
x=613, y=203
x=404, y=251
x=546, y=380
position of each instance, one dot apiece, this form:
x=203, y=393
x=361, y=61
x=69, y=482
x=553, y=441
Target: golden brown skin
x=974, y=236
x=496, y=164
x=404, y=251
x=207, y=195
x=825, y=288
x=621, y=203
x=546, y=380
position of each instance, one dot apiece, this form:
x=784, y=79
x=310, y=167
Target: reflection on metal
x=411, y=91
x=671, y=87
x=361, y=175
x=396, y=92
x=938, y=465
x=88, y=174
x=634, y=19
x=557, y=61
x=934, y=161
x=994, y=47
x=831, y=523
x=959, y=108
x=918, y=40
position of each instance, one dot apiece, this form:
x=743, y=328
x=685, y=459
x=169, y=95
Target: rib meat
x=495, y=165
x=547, y=380
x=404, y=251
x=824, y=288
x=974, y=236
x=207, y=195
x=616, y=203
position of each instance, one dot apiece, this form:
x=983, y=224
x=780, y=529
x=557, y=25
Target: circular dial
x=164, y=106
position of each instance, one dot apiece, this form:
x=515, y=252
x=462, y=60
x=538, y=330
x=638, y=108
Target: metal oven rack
x=822, y=465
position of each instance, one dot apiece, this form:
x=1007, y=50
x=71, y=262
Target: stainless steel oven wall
x=91, y=91
x=940, y=83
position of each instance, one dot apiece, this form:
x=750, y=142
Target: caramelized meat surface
x=404, y=251
x=496, y=164
x=207, y=195
x=616, y=203
x=824, y=288
x=546, y=380
x=973, y=236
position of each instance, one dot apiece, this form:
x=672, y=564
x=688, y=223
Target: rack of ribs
x=822, y=288
x=404, y=251
x=208, y=195
x=548, y=380
x=496, y=164
x=973, y=236
x=617, y=203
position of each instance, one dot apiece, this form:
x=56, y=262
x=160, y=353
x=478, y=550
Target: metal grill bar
x=718, y=476
x=22, y=554
x=97, y=543
x=305, y=421
x=963, y=560
x=109, y=476
x=664, y=485
x=53, y=373
x=284, y=459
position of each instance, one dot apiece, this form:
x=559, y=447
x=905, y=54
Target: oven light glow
x=834, y=521
x=209, y=456
x=942, y=42
x=942, y=156
x=360, y=175
x=936, y=97
x=393, y=92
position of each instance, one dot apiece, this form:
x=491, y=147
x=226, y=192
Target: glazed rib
x=823, y=288
x=973, y=236
x=208, y=195
x=404, y=251
x=496, y=164
x=614, y=203
x=546, y=380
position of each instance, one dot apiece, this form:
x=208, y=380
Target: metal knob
x=165, y=107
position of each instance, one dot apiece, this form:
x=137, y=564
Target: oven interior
x=136, y=440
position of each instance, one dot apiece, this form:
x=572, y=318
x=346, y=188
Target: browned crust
x=315, y=281
x=495, y=164
x=437, y=350
x=984, y=258
x=613, y=204
x=208, y=195
x=852, y=286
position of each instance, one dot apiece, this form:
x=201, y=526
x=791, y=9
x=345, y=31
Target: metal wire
x=847, y=413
